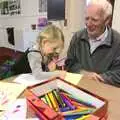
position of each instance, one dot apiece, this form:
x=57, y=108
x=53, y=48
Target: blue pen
x=73, y=117
x=64, y=109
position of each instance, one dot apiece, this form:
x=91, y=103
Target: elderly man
x=95, y=50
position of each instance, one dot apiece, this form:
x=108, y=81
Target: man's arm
x=112, y=76
x=71, y=63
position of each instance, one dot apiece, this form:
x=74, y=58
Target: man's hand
x=91, y=76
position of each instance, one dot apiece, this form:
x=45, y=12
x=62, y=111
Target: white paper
x=33, y=119
x=17, y=111
x=8, y=93
x=27, y=79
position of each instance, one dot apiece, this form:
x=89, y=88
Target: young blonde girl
x=44, y=54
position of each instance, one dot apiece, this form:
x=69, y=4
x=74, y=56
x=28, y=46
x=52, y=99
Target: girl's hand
x=62, y=74
x=52, y=66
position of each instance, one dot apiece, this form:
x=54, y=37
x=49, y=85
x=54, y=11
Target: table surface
x=110, y=93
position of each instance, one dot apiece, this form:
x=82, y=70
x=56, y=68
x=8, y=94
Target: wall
x=1, y=33
x=116, y=16
x=29, y=15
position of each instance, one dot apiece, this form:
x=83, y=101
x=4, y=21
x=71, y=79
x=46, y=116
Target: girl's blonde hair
x=50, y=33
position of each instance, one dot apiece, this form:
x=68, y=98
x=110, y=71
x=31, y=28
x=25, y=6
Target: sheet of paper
x=27, y=79
x=73, y=78
x=17, y=111
x=8, y=93
x=1, y=113
x=33, y=119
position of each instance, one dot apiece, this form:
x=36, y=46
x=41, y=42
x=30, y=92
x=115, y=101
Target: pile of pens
x=69, y=106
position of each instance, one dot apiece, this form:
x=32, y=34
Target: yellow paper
x=1, y=113
x=73, y=78
x=8, y=93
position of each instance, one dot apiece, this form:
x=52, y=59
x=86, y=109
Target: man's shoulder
x=116, y=35
x=115, y=31
x=115, y=38
x=81, y=34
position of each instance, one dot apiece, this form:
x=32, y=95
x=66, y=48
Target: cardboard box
x=47, y=113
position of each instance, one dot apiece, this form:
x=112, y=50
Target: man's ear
x=108, y=20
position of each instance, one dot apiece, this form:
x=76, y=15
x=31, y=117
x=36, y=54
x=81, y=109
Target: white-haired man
x=94, y=51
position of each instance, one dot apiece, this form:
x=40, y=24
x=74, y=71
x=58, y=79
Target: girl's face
x=52, y=48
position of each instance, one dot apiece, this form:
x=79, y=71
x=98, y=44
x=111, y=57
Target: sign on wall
x=42, y=5
x=10, y=7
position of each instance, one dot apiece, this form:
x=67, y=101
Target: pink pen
x=61, y=59
x=5, y=101
x=16, y=110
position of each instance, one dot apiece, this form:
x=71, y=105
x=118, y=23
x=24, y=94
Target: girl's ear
x=44, y=41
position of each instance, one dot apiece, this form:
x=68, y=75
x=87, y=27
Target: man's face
x=94, y=21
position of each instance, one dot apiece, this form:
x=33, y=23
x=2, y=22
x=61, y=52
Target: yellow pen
x=48, y=100
x=83, y=117
x=53, y=101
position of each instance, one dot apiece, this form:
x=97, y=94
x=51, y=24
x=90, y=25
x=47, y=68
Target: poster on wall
x=42, y=6
x=10, y=7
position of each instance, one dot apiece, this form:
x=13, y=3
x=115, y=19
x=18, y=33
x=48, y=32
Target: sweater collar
x=107, y=41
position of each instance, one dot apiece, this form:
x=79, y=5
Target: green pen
x=58, y=97
x=70, y=113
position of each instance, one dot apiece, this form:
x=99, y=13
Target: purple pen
x=67, y=102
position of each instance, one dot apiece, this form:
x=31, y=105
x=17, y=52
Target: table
x=111, y=93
